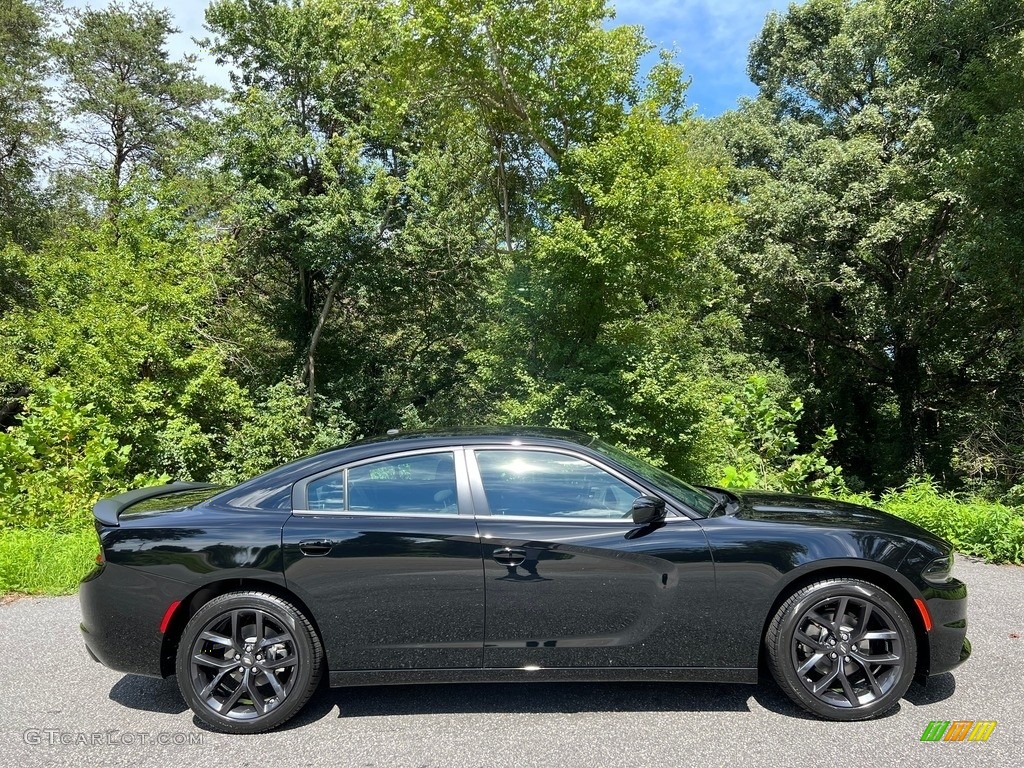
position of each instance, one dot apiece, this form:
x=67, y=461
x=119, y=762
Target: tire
x=248, y=661
x=843, y=649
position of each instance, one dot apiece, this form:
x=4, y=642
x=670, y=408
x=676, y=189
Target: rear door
x=571, y=581
x=385, y=553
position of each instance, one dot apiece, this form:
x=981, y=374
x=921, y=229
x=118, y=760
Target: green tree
x=852, y=250
x=123, y=328
x=970, y=58
x=59, y=461
x=128, y=100
x=603, y=217
x=341, y=195
x=536, y=78
x=26, y=120
x=763, y=443
x=611, y=316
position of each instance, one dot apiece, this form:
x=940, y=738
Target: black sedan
x=510, y=555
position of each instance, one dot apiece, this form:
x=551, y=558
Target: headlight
x=940, y=570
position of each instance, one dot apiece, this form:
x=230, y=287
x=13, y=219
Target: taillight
x=100, y=559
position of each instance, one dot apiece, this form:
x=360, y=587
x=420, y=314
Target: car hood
x=810, y=510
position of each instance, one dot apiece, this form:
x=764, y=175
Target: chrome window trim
x=483, y=510
x=625, y=521
x=346, y=513
x=300, y=504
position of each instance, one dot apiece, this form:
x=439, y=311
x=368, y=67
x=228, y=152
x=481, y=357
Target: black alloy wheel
x=247, y=662
x=843, y=649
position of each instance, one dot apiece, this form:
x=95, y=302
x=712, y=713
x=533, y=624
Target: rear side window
x=327, y=493
x=424, y=483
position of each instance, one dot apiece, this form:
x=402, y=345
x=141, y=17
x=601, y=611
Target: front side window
x=547, y=484
x=424, y=483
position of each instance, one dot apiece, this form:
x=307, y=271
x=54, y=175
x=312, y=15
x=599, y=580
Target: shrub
x=763, y=444
x=276, y=430
x=973, y=526
x=56, y=463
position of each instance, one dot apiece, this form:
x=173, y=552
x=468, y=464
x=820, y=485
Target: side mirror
x=647, y=509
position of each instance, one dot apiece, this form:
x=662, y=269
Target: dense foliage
x=880, y=249
x=434, y=212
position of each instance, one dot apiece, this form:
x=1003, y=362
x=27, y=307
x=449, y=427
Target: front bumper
x=948, y=646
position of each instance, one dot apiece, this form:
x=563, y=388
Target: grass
x=43, y=562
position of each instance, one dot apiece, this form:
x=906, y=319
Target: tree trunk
x=117, y=169
x=309, y=371
x=305, y=297
x=906, y=382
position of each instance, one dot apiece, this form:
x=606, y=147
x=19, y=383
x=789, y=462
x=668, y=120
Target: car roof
x=394, y=443
x=475, y=434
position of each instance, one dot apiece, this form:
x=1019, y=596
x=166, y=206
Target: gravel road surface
x=58, y=707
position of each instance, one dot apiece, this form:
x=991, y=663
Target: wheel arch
x=897, y=585
x=204, y=594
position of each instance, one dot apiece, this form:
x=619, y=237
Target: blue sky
x=710, y=36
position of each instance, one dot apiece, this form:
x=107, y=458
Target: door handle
x=508, y=556
x=315, y=547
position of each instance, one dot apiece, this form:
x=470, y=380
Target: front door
x=571, y=582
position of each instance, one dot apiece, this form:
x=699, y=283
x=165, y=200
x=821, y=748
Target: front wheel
x=843, y=649
x=247, y=662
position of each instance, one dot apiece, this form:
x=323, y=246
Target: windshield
x=692, y=497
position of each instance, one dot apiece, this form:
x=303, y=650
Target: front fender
x=758, y=563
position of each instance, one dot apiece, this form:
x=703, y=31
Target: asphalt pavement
x=58, y=707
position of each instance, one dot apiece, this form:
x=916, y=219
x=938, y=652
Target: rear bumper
x=121, y=613
x=948, y=645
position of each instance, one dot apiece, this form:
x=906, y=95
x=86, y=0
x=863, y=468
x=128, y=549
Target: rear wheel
x=843, y=649
x=248, y=661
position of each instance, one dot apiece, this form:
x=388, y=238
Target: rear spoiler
x=107, y=511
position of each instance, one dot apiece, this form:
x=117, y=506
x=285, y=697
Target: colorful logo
x=958, y=730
